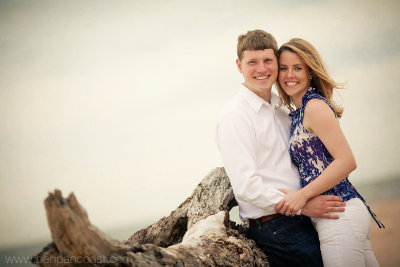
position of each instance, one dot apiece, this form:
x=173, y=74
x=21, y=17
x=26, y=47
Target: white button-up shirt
x=252, y=136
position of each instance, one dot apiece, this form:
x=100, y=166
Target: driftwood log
x=197, y=233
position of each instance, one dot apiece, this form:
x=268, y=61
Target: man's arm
x=236, y=139
x=321, y=206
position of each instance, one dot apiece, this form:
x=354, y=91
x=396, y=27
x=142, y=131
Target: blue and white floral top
x=311, y=157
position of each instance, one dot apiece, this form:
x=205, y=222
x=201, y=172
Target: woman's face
x=294, y=75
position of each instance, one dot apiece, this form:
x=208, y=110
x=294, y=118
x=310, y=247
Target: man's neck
x=265, y=95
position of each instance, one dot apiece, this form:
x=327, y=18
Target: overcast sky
x=117, y=101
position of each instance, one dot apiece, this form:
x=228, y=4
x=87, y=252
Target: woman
x=324, y=158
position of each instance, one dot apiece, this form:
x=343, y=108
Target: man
x=252, y=136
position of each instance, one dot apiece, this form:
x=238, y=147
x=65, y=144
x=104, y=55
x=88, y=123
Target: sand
x=386, y=242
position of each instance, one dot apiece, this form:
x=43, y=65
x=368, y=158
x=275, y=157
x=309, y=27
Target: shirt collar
x=256, y=102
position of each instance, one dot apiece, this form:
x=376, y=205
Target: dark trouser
x=288, y=241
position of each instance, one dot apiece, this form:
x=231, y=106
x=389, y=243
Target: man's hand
x=320, y=206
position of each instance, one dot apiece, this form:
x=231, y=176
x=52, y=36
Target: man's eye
x=283, y=68
x=252, y=62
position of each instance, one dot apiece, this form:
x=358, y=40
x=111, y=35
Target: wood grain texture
x=197, y=233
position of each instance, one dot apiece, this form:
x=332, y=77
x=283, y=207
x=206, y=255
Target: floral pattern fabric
x=311, y=157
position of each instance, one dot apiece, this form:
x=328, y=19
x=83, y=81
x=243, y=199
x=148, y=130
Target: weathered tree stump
x=197, y=233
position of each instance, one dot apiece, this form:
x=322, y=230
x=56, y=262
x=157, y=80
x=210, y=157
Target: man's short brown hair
x=256, y=40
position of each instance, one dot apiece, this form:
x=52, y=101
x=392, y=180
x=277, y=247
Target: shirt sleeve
x=236, y=140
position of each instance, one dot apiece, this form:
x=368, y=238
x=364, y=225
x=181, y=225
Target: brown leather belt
x=263, y=219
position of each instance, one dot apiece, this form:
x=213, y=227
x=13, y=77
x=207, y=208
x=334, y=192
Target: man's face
x=260, y=70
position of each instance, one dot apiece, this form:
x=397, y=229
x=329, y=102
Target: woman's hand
x=291, y=203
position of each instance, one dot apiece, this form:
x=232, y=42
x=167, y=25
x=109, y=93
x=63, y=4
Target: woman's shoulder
x=317, y=109
x=312, y=93
x=314, y=102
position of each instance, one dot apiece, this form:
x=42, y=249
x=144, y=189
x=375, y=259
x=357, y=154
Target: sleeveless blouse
x=311, y=157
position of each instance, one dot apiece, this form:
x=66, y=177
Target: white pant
x=346, y=242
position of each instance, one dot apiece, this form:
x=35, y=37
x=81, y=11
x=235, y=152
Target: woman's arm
x=319, y=118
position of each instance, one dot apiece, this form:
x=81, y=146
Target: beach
x=386, y=242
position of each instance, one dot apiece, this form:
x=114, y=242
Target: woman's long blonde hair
x=320, y=77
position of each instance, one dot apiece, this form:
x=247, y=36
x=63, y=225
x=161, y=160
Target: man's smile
x=262, y=77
